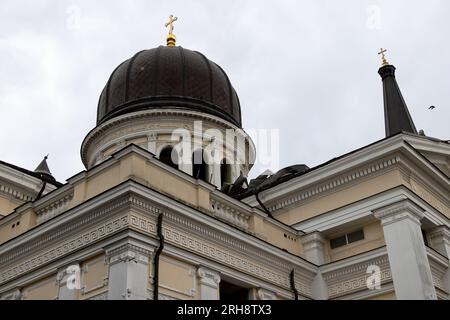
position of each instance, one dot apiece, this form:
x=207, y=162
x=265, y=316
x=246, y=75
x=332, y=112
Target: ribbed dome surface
x=169, y=77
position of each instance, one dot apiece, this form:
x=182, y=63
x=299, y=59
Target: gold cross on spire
x=383, y=57
x=171, y=39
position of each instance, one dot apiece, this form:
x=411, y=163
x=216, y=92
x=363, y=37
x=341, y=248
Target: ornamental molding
x=128, y=253
x=74, y=243
x=405, y=209
x=313, y=240
x=9, y=190
x=54, y=208
x=63, y=273
x=223, y=253
x=335, y=183
x=15, y=294
x=440, y=233
x=114, y=123
x=264, y=294
x=202, y=228
x=350, y=279
x=226, y=212
x=208, y=277
x=208, y=233
x=207, y=242
x=61, y=232
x=115, y=138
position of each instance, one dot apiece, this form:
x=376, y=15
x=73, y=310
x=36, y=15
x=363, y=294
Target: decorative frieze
x=61, y=232
x=128, y=252
x=349, y=279
x=67, y=247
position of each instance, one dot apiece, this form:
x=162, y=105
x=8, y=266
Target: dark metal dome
x=169, y=77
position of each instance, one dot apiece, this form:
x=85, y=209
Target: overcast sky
x=308, y=68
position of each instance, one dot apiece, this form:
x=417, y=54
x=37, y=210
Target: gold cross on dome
x=383, y=57
x=172, y=19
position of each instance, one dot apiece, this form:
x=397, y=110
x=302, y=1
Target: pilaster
x=314, y=247
x=209, y=284
x=69, y=282
x=408, y=260
x=128, y=271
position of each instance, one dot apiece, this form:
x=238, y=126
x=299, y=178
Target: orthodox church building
x=153, y=217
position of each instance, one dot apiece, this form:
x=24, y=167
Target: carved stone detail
x=53, y=209
x=353, y=278
x=227, y=213
x=128, y=252
x=398, y=211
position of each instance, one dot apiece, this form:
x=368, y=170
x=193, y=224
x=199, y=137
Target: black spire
x=43, y=169
x=396, y=114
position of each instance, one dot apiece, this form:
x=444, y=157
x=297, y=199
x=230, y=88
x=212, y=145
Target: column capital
x=152, y=136
x=208, y=276
x=65, y=271
x=439, y=238
x=442, y=232
x=314, y=247
x=14, y=294
x=405, y=209
x=264, y=294
x=313, y=239
x=129, y=252
x=208, y=283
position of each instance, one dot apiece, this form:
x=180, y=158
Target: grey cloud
x=308, y=68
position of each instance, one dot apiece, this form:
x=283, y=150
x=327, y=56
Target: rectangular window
x=355, y=236
x=347, y=239
x=338, y=242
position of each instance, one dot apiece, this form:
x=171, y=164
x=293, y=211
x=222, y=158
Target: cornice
x=26, y=181
x=362, y=210
x=10, y=190
x=334, y=183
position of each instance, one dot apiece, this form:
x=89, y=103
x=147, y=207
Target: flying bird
x=431, y=107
